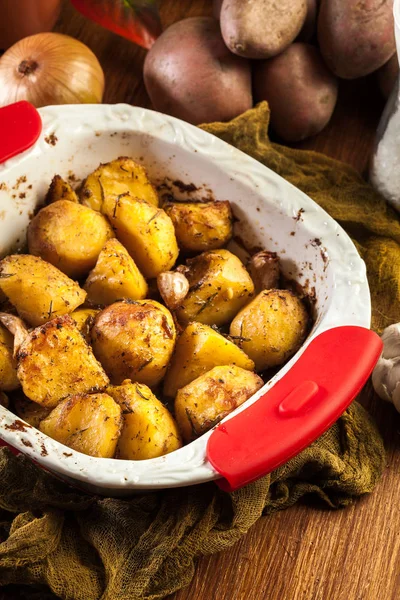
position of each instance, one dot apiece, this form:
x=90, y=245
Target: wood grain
x=304, y=553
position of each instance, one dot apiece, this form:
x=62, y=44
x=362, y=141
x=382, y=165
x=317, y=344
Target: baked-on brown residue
x=18, y=425
x=26, y=443
x=51, y=139
x=184, y=187
x=44, y=451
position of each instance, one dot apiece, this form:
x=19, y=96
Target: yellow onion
x=50, y=68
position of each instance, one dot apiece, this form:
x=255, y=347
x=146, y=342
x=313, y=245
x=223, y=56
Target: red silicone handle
x=20, y=126
x=297, y=409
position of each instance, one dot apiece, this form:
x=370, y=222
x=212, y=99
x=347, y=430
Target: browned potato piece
x=134, y=341
x=8, y=365
x=271, y=328
x=201, y=226
x=121, y=176
x=37, y=289
x=55, y=361
x=88, y=423
x=31, y=412
x=205, y=401
x=146, y=232
x=84, y=318
x=149, y=430
x=198, y=349
x=115, y=277
x=219, y=287
x=4, y=401
x=69, y=236
x=60, y=190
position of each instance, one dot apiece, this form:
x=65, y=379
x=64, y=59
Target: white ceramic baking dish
x=272, y=214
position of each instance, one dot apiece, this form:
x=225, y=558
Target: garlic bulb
x=386, y=375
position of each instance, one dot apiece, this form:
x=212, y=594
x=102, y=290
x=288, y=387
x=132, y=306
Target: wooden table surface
x=302, y=553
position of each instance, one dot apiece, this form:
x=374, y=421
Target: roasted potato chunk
x=54, y=361
x=219, y=287
x=199, y=349
x=121, y=176
x=31, y=412
x=115, y=277
x=146, y=232
x=205, y=401
x=8, y=365
x=271, y=328
x=69, y=236
x=84, y=319
x=37, y=289
x=134, y=341
x=149, y=430
x=4, y=401
x=60, y=190
x=201, y=226
x=88, y=423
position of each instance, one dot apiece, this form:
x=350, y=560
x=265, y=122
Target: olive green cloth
x=89, y=548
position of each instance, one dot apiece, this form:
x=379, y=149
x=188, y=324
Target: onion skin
x=50, y=68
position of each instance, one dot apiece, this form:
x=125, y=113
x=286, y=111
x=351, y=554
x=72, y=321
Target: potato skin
x=37, y=289
x=60, y=190
x=199, y=349
x=387, y=76
x=120, y=176
x=187, y=53
x=88, y=423
x=300, y=90
x=31, y=412
x=219, y=287
x=205, y=401
x=356, y=38
x=69, y=236
x=201, y=226
x=8, y=365
x=149, y=430
x=271, y=328
x=114, y=277
x=84, y=319
x=262, y=28
x=55, y=361
x=134, y=341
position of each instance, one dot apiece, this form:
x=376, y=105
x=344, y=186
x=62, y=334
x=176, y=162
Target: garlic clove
x=17, y=327
x=264, y=270
x=391, y=341
x=173, y=287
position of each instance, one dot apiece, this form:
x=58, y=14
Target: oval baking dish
x=309, y=393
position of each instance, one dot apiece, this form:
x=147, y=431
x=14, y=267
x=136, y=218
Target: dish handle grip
x=20, y=126
x=303, y=404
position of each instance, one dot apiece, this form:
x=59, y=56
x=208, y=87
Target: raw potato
x=37, y=289
x=55, y=362
x=261, y=28
x=271, y=328
x=4, y=401
x=84, y=318
x=69, y=236
x=219, y=287
x=146, y=232
x=201, y=226
x=149, y=430
x=356, y=38
x=189, y=73
x=60, y=190
x=29, y=411
x=120, y=176
x=134, y=341
x=300, y=90
x=198, y=350
x=88, y=423
x=387, y=76
x=209, y=398
x=8, y=365
x=115, y=277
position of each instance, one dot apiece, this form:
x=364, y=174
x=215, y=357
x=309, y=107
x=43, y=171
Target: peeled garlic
x=386, y=375
x=173, y=287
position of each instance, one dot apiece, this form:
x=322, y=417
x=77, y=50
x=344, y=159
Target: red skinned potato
x=356, y=38
x=261, y=28
x=300, y=90
x=387, y=76
x=189, y=73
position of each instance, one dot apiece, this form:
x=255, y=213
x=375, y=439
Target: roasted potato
x=121, y=176
x=60, y=190
x=54, y=361
x=148, y=429
x=115, y=277
x=31, y=412
x=84, y=319
x=88, y=423
x=146, y=232
x=69, y=236
x=37, y=289
x=198, y=349
x=8, y=365
x=219, y=287
x=134, y=341
x=205, y=401
x=4, y=401
x=271, y=328
x=201, y=226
